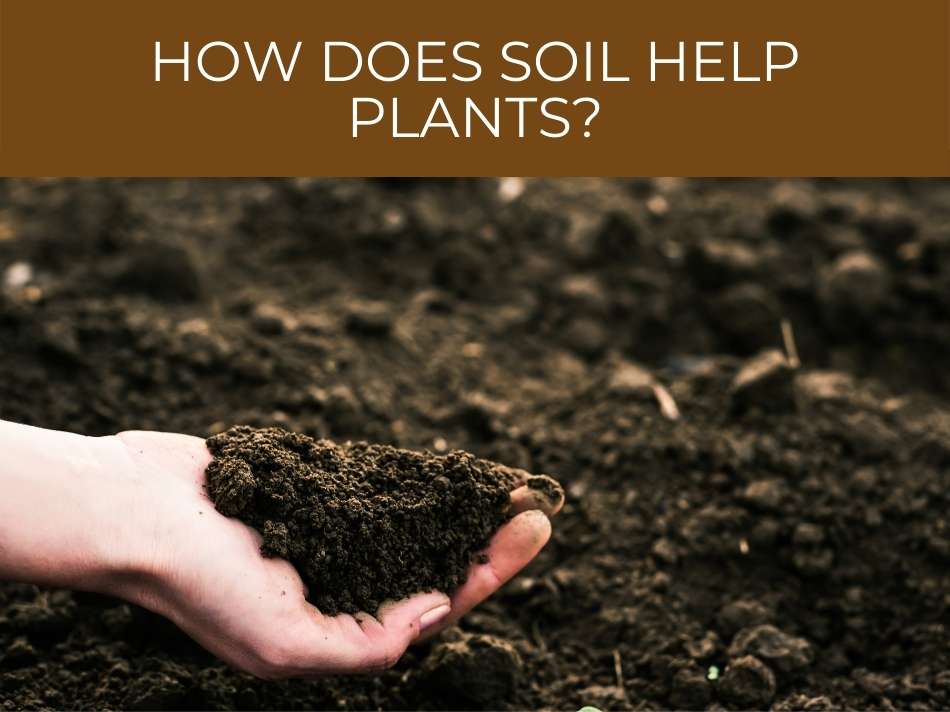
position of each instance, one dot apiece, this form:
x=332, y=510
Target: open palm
x=207, y=575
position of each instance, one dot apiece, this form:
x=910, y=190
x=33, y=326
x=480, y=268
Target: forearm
x=65, y=503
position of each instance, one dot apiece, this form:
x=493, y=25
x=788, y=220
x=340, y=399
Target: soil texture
x=361, y=523
x=742, y=386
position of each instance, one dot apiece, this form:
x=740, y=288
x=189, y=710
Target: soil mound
x=361, y=523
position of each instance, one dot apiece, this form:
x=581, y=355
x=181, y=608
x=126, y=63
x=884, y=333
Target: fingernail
x=433, y=617
x=536, y=514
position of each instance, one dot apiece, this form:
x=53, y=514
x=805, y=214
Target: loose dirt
x=782, y=543
x=361, y=523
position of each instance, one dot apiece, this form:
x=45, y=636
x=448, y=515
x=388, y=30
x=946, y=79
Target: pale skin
x=127, y=515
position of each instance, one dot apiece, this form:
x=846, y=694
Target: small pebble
x=665, y=551
x=747, y=683
x=369, y=317
x=807, y=534
x=478, y=670
x=715, y=263
x=764, y=381
x=857, y=282
x=744, y=613
x=584, y=292
x=814, y=562
x=691, y=689
x=271, y=320
x=786, y=653
x=824, y=385
x=587, y=337
x=765, y=494
x=17, y=275
x=510, y=189
x=630, y=379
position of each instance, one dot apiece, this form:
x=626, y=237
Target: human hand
x=204, y=571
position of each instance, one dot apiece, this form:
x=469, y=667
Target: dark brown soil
x=782, y=543
x=361, y=523
x=547, y=489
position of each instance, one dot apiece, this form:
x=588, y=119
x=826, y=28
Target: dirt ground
x=783, y=542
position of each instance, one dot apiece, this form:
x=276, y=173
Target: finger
x=403, y=621
x=541, y=493
x=363, y=643
x=514, y=546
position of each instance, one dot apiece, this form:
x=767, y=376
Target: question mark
x=596, y=110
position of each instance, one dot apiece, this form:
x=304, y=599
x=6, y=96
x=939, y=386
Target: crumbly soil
x=362, y=524
x=782, y=543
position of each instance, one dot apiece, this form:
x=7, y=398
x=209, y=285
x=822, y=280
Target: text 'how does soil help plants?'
x=417, y=114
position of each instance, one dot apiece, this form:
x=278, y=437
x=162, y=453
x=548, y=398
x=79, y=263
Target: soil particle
x=785, y=653
x=808, y=534
x=791, y=207
x=158, y=690
x=748, y=314
x=164, y=272
x=617, y=234
x=473, y=671
x=814, y=563
x=740, y=614
x=889, y=226
x=716, y=263
x=604, y=697
x=48, y=617
x=17, y=276
x=547, y=488
x=362, y=523
x=856, y=283
x=271, y=320
x=60, y=341
x=703, y=648
x=765, y=381
x=765, y=494
x=117, y=620
x=747, y=683
x=630, y=379
x=584, y=293
x=342, y=408
x=481, y=414
x=587, y=337
x=804, y=703
x=372, y=318
x=665, y=551
x=819, y=386
x=691, y=689
x=19, y=653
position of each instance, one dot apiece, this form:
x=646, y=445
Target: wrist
x=122, y=555
x=152, y=478
x=71, y=512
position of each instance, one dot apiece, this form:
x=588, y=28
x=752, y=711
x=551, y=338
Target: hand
x=204, y=571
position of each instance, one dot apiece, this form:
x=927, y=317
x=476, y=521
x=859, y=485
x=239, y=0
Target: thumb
x=398, y=624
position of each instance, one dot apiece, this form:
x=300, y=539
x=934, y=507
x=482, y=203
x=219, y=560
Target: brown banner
x=850, y=87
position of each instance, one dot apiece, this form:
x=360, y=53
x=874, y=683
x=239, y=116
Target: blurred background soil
x=739, y=531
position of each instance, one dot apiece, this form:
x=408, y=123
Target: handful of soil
x=361, y=523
